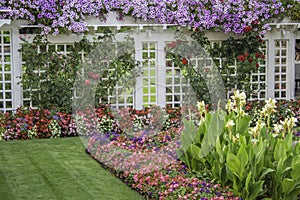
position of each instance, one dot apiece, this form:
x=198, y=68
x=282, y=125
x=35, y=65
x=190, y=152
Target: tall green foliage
x=257, y=162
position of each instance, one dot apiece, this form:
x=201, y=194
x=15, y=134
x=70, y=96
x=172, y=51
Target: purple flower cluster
x=225, y=15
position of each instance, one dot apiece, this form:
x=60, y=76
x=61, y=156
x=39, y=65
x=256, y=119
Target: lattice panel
x=149, y=62
x=62, y=49
x=176, y=85
x=258, y=79
x=229, y=72
x=121, y=96
x=280, y=79
x=6, y=71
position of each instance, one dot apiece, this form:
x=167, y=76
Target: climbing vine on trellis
x=49, y=76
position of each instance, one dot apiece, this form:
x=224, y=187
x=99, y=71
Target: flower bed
x=148, y=162
x=145, y=156
x=150, y=165
x=44, y=123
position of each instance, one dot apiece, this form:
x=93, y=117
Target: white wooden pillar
x=270, y=66
x=16, y=67
x=138, y=92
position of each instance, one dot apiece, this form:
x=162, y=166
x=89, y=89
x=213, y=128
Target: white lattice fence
x=281, y=53
x=161, y=82
x=6, y=93
x=121, y=96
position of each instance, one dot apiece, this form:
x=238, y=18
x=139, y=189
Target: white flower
x=289, y=123
x=292, y=121
x=254, y=141
x=237, y=95
x=229, y=106
x=269, y=108
x=236, y=138
x=229, y=124
x=253, y=131
x=270, y=104
x=278, y=128
x=239, y=100
x=256, y=130
x=201, y=107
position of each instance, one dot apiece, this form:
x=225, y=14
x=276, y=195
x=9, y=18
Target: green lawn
x=56, y=169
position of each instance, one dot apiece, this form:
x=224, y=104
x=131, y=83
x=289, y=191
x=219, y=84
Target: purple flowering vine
x=220, y=15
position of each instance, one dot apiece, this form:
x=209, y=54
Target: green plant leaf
x=233, y=163
x=288, y=185
x=188, y=134
x=294, y=194
x=280, y=151
x=217, y=170
x=242, y=155
x=242, y=126
x=296, y=161
x=220, y=152
x=296, y=168
x=247, y=183
x=265, y=172
x=255, y=189
x=280, y=168
x=214, y=130
x=195, y=152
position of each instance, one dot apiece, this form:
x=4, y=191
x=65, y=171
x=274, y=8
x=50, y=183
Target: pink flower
x=87, y=82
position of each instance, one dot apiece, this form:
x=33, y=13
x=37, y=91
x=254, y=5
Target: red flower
x=257, y=55
x=87, y=82
x=94, y=76
x=171, y=45
x=184, y=61
x=263, y=56
x=246, y=54
x=257, y=65
x=241, y=58
x=250, y=60
x=255, y=22
x=247, y=29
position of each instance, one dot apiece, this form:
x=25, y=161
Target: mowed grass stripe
x=20, y=174
x=56, y=169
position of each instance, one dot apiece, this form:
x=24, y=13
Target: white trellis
x=161, y=82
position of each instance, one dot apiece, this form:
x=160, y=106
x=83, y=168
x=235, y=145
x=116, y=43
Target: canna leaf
x=242, y=155
x=280, y=151
x=233, y=163
x=242, y=126
x=288, y=185
x=255, y=189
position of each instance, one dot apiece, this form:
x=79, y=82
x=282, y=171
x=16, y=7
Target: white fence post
x=16, y=68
